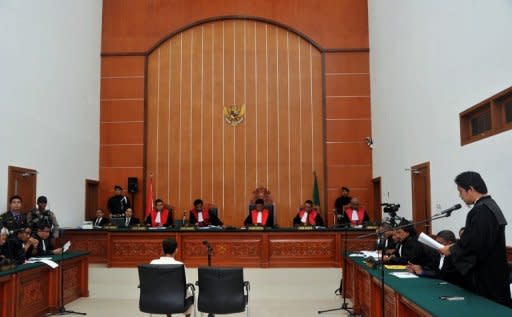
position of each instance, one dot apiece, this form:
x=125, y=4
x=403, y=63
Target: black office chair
x=221, y=291
x=163, y=289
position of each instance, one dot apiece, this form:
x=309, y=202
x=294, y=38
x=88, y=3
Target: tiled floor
x=274, y=292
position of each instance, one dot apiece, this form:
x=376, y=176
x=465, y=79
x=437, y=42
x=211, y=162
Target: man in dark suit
x=385, y=239
x=14, y=218
x=45, y=246
x=100, y=220
x=409, y=250
x=129, y=219
x=14, y=246
x=444, y=268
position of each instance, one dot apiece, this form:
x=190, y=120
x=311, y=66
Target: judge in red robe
x=308, y=216
x=259, y=216
x=159, y=216
x=203, y=217
x=354, y=214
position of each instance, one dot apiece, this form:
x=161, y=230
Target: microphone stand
x=412, y=224
x=344, y=305
x=62, y=310
x=210, y=250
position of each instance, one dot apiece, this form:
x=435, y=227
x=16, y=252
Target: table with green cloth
x=33, y=289
x=422, y=292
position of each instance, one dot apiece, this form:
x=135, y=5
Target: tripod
x=62, y=310
x=442, y=214
x=344, y=305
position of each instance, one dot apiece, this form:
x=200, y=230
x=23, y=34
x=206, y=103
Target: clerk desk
x=266, y=248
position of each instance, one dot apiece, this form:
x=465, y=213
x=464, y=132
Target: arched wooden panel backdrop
x=192, y=152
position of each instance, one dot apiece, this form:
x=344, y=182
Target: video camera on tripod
x=391, y=209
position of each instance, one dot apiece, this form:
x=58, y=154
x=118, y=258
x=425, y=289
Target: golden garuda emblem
x=234, y=114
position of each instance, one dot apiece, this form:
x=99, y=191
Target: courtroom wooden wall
x=193, y=153
x=339, y=28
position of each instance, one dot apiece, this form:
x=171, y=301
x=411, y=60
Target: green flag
x=316, y=193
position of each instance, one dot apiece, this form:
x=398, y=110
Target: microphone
x=448, y=211
x=207, y=244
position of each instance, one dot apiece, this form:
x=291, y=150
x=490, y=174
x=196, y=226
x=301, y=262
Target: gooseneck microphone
x=449, y=211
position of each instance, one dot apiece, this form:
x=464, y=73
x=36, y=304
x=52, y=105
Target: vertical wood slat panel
x=277, y=75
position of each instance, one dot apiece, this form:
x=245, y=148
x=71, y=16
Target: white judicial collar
x=157, y=218
x=200, y=216
x=259, y=218
x=355, y=216
x=304, y=217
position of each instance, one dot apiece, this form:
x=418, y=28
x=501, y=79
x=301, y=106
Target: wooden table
x=34, y=289
x=269, y=248
x=411, y=297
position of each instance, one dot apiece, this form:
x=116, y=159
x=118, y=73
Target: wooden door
x=22, y=182
x=377, y=201
x=420, y=178
x=91, y=198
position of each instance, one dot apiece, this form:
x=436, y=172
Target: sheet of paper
x=404, y=275
x=66, y=246
x=356, y=255
x=48, y=262
x=428, y=241
x=373, y=254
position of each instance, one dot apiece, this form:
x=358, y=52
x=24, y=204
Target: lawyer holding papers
x=480, y=254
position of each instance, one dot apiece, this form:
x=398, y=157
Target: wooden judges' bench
x=268, y=248
x=34, y=289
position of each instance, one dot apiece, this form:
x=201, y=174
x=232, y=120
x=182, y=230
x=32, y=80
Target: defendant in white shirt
x=169, y=247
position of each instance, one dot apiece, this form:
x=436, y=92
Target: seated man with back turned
x=443, y=268
x=160, y=216
x=259, y=216
x=169, y=248
x=354, y=214
x=203, y=217
x=14, y=218
x=308, y=216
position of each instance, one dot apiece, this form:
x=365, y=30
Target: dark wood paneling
x=135, y=26
x=348, y=108
x=121, y=155
x=121, y=133
x=122, y=88
x=348, y=62
x=247, y=249
x=122, y=66
x=275, y=74
x=121, y=110
x=349, y=130
x=348, y=85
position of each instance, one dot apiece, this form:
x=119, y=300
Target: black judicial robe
x=447, y=272
x=414, y=252
x=480, y=255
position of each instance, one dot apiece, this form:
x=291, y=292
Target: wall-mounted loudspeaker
x=132, y=184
